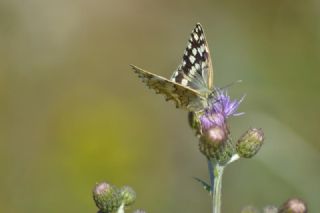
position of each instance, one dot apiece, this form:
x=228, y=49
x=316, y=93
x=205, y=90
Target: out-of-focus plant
x=109, y=198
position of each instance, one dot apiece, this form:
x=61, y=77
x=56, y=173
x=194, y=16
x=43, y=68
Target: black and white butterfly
x=191, y=85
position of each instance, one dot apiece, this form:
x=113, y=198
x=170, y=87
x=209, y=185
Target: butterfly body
x=191, y=85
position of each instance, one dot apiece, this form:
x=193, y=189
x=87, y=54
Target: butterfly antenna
x=231, y=84
x=216, y=89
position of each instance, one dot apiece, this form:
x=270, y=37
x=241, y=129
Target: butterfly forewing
x=184, y=98
x=196, y=70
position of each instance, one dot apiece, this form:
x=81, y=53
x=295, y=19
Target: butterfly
x=191, y=85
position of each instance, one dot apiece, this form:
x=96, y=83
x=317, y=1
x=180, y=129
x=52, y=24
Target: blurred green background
x=72, y=113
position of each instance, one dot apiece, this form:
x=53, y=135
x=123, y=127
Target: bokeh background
x=72, y=113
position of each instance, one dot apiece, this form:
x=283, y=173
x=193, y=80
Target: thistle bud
x=215, y=136
x=294, y=205
x=250, y=143
x=128, y=195
x=214, y=144
x=107, y=197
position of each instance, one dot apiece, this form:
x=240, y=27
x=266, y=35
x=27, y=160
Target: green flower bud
x=107, y=197
x=294, y=205
x=128, y=195
x=249, y=209
x=270, y=209
x=214, y=144
x=250, y=143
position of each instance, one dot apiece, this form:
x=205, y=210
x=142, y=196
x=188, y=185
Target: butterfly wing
x=192, y=83
x=196, y=70
x=184, y=97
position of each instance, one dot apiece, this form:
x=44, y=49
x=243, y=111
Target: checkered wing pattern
x=191, y=84
x=196, y=70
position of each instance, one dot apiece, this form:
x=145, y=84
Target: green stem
x=216, y=195
x=211, y=175
x=215, y=173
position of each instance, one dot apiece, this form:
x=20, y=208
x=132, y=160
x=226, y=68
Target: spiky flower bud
x=128, y=195
x=294, y=205
x=249, y=209
x=250, y=143
x=107, y=197
x=214, y=144
x=215, y=136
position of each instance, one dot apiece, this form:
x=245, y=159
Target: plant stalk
x=216, y=196
x=211, y=175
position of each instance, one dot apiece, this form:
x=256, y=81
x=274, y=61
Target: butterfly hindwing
x=184, y=98
x=196, y=70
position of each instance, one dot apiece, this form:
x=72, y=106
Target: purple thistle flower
x=212, y=119
x=214, y=132
x=222, y=108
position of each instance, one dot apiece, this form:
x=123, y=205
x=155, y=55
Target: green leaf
x=204, y=184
